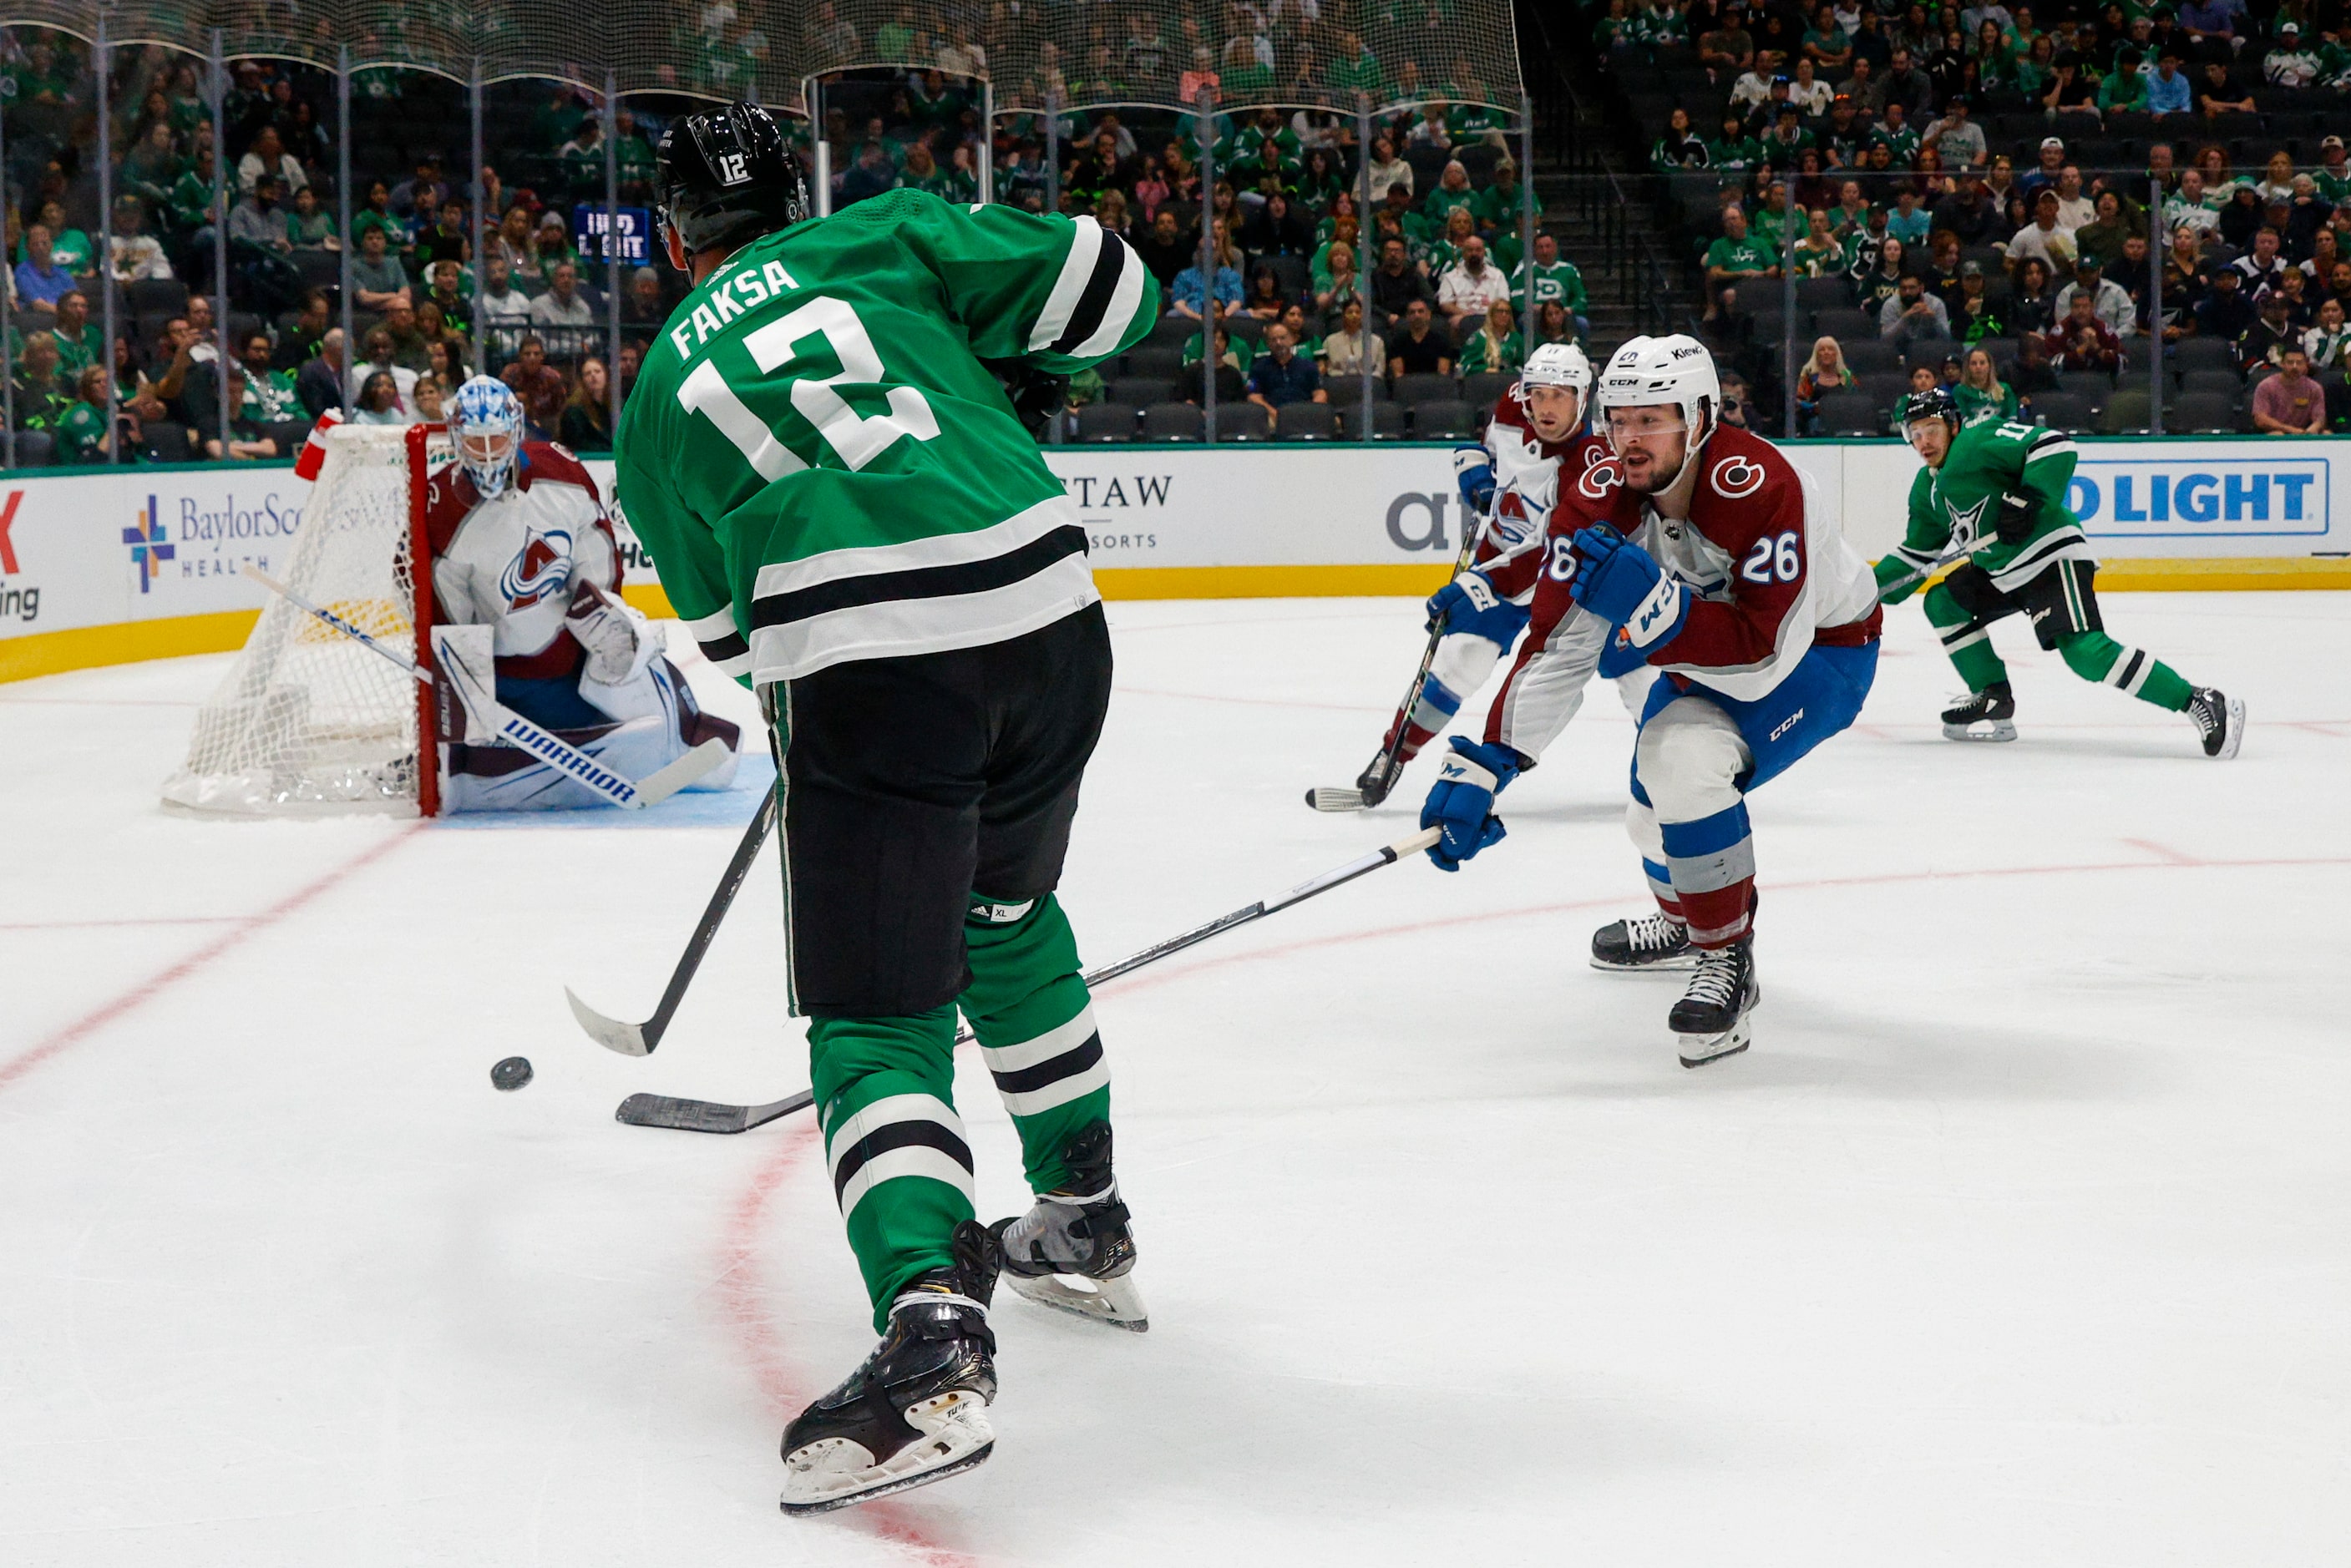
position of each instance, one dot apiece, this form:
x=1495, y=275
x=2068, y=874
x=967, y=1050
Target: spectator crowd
x=2035, y=207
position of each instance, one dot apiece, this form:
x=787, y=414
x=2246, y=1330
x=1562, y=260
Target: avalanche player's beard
x=1654, y=462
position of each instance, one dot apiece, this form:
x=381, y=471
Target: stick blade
x=663, y=783
x=1325, y=799
x=705, y=1116
x=628, y=1039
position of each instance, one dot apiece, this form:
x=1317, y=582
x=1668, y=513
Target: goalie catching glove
x=607, y=629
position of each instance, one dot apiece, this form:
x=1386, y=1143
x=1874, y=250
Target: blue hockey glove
x=1473, y=471
x=1465, y=596
x=1619, y=657
x=1462, y=802
x=1622, y=584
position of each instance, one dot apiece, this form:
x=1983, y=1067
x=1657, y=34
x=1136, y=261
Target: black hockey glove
x=2017, y=515
x=1037, y=395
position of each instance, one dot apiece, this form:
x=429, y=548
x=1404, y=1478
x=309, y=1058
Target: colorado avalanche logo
x=1594, y=483
x=1735, y=478
x=541, y=568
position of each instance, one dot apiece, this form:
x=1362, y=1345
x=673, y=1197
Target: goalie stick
x=639, y=1039
x=513, y=729
x=1347, y=798
x=714, y=1117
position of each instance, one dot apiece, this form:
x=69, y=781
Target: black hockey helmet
x=1934, y=404
x=727, y=176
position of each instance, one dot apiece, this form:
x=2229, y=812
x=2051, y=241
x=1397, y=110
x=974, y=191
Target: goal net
x=310, y=721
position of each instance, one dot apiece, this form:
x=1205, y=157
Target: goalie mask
x=487, y=426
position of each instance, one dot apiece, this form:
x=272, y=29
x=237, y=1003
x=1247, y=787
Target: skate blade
x=1115, y=1301
x=1335, y=799
x=1698, y=1050
x=829, y=1474
x=1981, y=730
x=1656, y=966
x=2235, y=736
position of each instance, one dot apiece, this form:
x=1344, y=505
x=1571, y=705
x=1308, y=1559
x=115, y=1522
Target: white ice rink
x=2023, y=1236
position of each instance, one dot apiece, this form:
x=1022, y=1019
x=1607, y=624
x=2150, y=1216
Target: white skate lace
x=1717, y=980
x=1654, y=933
x=2206, y=712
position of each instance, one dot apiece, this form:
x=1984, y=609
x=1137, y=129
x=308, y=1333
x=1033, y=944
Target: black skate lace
x=1654, y=931
x=1717, y=980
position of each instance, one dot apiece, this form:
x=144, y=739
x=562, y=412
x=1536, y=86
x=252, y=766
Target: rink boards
x=112, y=567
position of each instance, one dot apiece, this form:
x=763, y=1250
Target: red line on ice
x=154, y=985
x=741, y=1293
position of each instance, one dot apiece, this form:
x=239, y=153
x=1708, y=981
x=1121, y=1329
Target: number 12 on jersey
x=856, y=439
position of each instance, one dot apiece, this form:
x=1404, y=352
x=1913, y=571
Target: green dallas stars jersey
x=821, y=465
x=1957, y=504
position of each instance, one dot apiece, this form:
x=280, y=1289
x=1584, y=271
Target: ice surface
x=2022, y=1236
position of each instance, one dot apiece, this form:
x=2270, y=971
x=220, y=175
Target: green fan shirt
x=821, y=465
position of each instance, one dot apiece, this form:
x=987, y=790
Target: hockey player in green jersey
x=846, y=509
x=1998, y=492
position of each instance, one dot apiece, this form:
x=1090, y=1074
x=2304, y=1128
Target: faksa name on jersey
x=820, y=397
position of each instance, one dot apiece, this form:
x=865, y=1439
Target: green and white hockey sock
x=1966, y=641
x=2094, y=656
x=901, y=1166
x=1036, y=1027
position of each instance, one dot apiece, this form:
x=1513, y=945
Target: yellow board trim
x=1419, y=579
x=132, y=642
x=126, y=642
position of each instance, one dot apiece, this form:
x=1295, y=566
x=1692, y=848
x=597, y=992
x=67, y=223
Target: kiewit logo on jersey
x=1738, y=477
x=541, y=568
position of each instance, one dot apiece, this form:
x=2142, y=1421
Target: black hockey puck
x=511, y=1073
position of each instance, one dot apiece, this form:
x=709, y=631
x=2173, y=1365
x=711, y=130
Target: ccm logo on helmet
x=1737, y=477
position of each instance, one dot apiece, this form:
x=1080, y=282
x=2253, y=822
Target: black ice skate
x=1988, y=715
x=1711, y=1020
x=2220, y=720
x=1645, y=942
x=1072, y=1251
x=916, y=1411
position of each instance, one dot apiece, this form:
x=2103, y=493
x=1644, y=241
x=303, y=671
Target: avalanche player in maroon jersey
x=526, y=587
x=1507, y=487
x=1698, y=546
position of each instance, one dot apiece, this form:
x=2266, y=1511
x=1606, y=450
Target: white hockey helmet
x=1673, y=369
x=487, y=425
x=1558, y=364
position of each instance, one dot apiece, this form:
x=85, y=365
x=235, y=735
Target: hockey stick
x=518, y=732
x=1952, y=558
x=1351, y=798
x=639, y=1039
x=714, y=1116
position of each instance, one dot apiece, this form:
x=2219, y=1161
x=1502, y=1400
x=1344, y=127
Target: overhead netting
x=308, y=719
x=1073, y=53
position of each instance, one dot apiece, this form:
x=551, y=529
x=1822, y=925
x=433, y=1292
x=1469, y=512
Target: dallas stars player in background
x=848, y=513
x=2002, y=489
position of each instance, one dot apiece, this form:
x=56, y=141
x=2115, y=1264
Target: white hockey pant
x=1687, y=764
